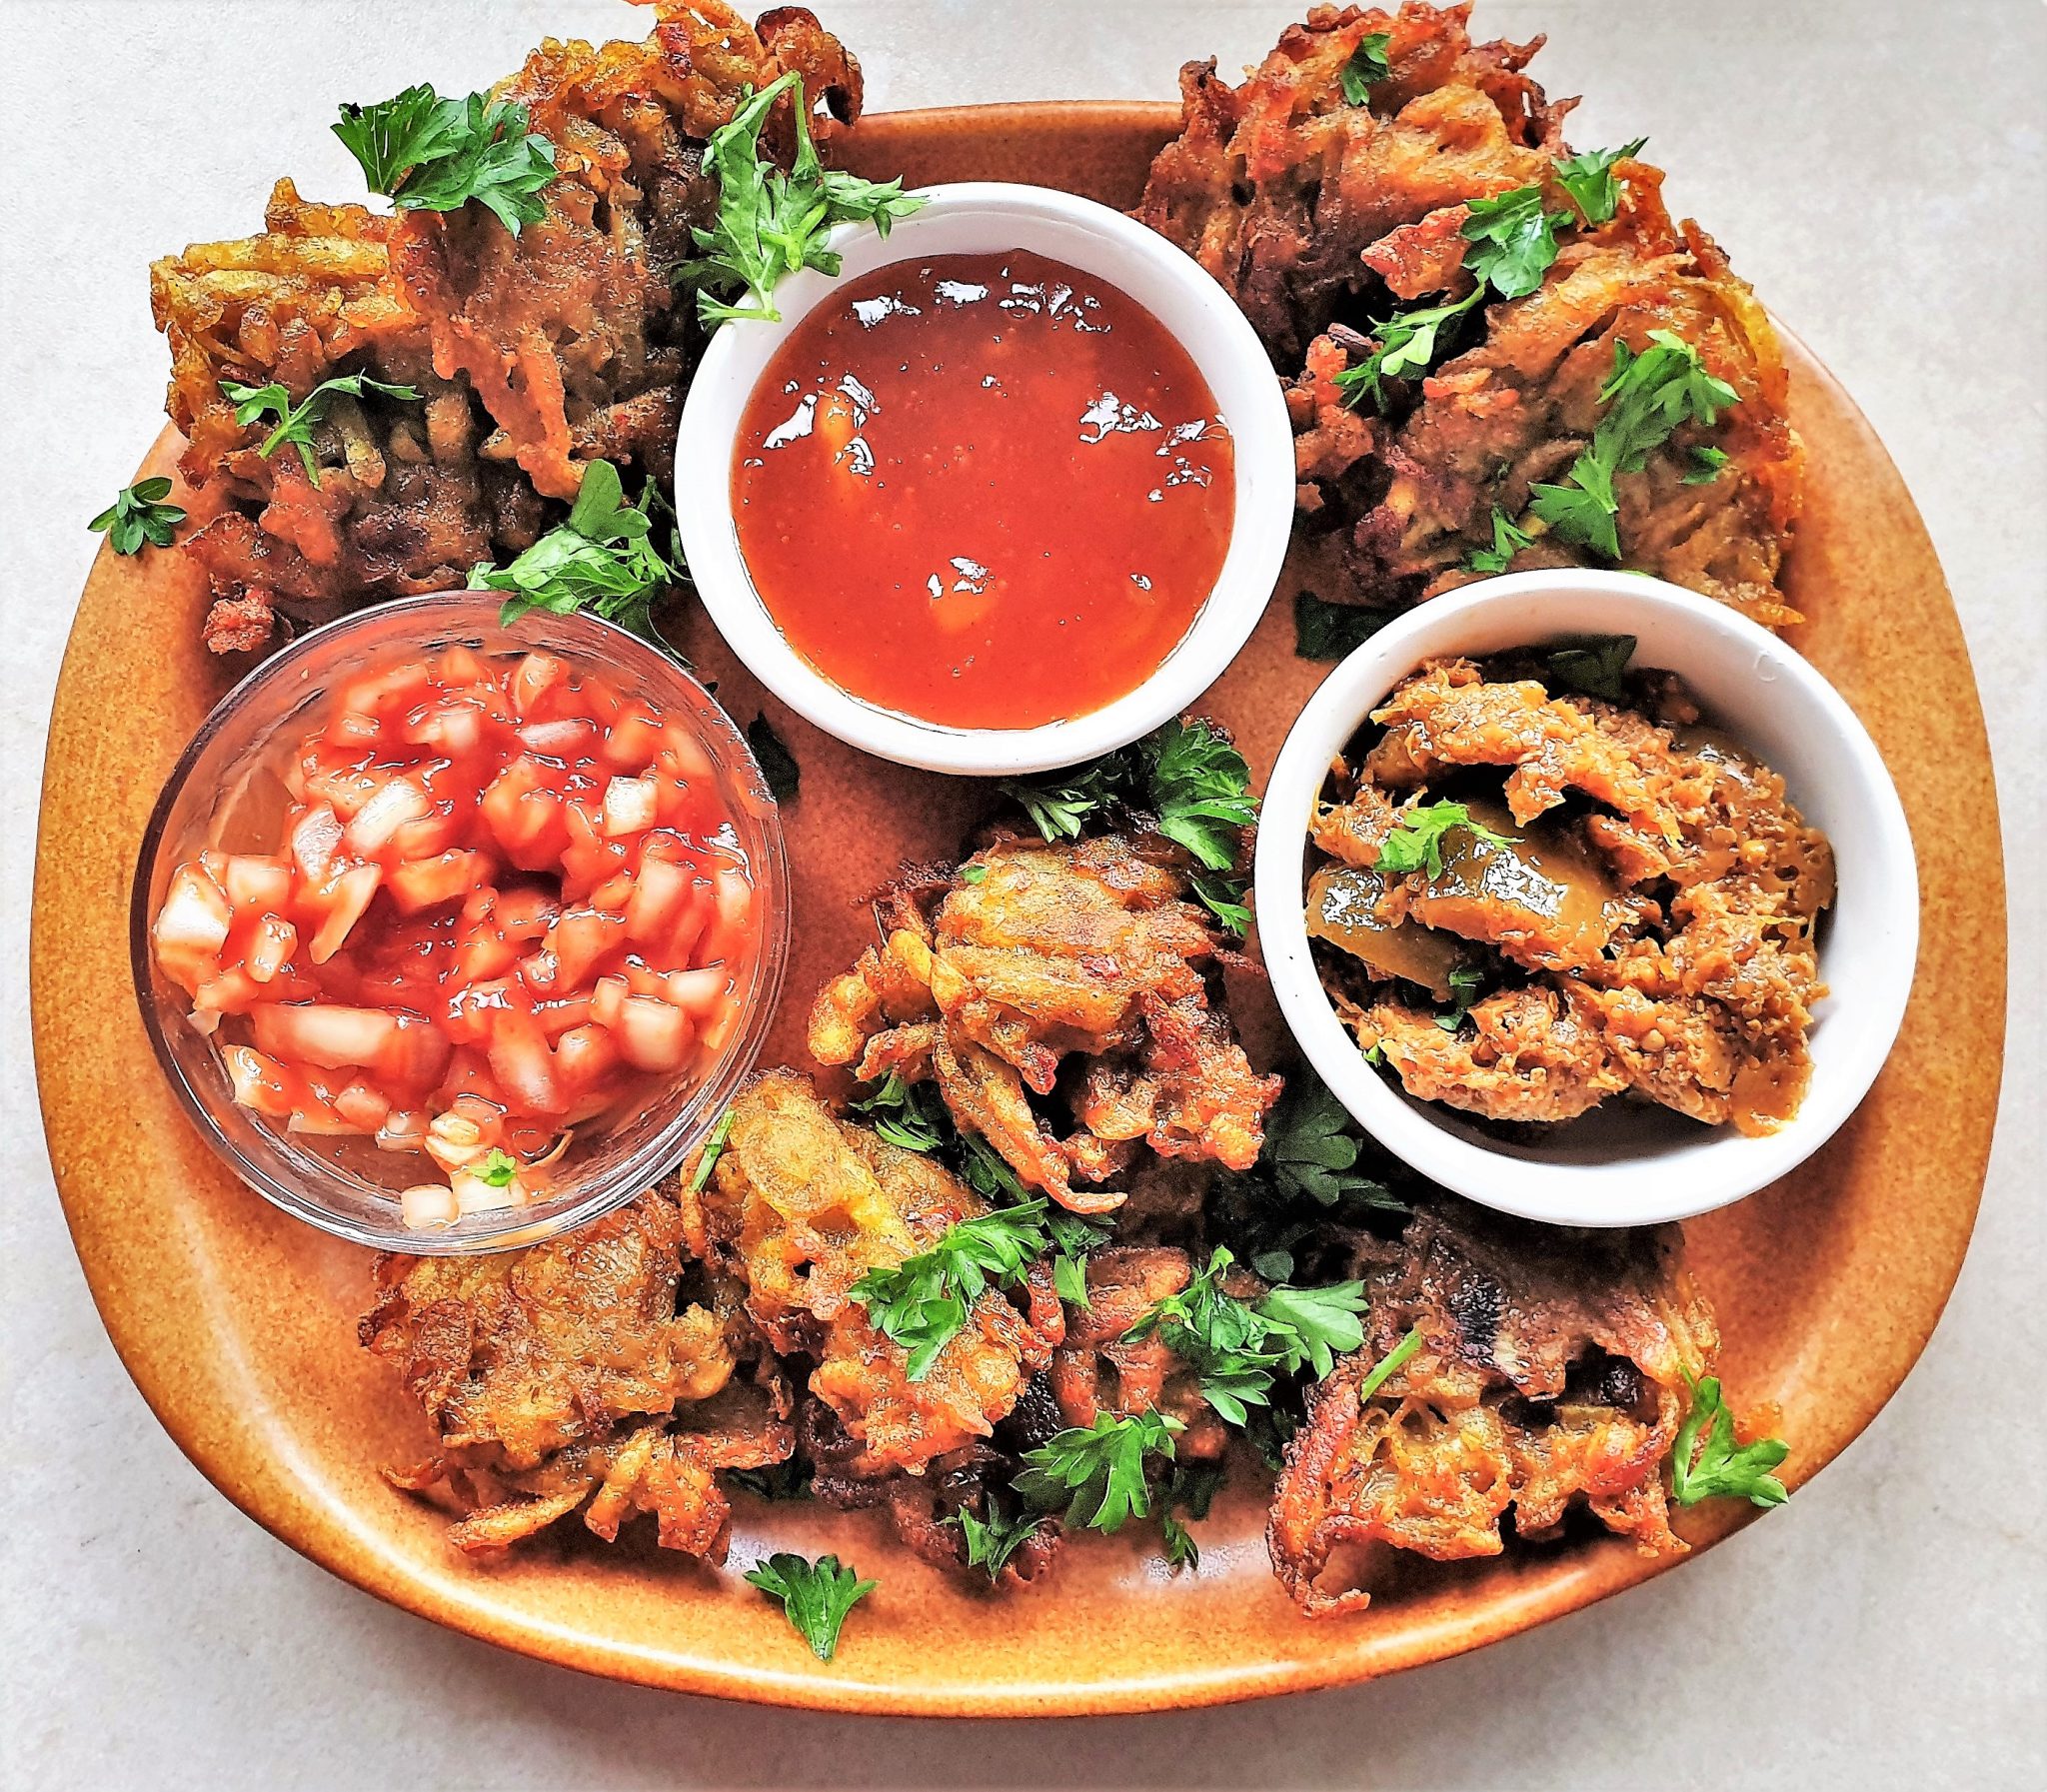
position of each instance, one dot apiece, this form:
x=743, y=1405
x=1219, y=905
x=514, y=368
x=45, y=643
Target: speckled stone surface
x=1887, y=1625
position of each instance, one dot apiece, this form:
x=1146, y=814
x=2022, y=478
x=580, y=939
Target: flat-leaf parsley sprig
x=815, y=1596
x=1716, y=1466
x=1097, y=1474
x=922, y=1302
x=295, y=421
x=1416, y=843
x=430, y=153
x=770, y=223
x=137, y=514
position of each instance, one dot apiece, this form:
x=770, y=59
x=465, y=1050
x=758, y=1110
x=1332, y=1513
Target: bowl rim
x=494, y=1230
x=1260, y=531
x=1867, y=1019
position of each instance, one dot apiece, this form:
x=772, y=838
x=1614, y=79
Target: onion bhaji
x=534, y=354
x=1323, y=218
x=1553, y=1370
x=574, y=1375
x=1669, y=927
x=1040, y=955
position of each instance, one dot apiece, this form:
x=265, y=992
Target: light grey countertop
x=1875, y=169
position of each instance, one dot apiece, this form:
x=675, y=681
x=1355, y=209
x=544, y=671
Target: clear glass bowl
x=225, y=792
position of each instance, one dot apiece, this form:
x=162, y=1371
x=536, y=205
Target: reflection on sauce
x=989, y=491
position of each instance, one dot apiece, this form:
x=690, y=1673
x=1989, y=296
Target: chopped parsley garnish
x=1395, y=1361
x=428, y=154
x=714, y=1148
x=788, y=1479
x=137, y=514
x=771, y=223
x=907, y=1116
x=1513, y=241
x=254, y=404
x=497, y=1169
x=1312, y=1147
x=778, y=765
x=1508, y=539
x=1095, y=1474
x=1706, y=463
x=1418, y=843
x=922, y=1302
x=973, y=874
x=1588, y=179
x=1647, y=397
x=1596, y=666
x=1190, y=777
x=992, y=1541
x=1238, y=1349
x=1408, y=343
x=1467, y=984
x=603, y=558
x=1717, y=1467
x=1366, y=67
x=1326, y=630
x=1190, y=1488
x=815, y=1596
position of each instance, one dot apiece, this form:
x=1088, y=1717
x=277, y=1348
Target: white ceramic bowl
x=1624, y=1164
x=976, y=218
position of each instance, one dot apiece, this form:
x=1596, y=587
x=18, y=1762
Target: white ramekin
x=979, y=217
x=1624, y=1164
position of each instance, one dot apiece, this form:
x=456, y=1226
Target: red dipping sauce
x=987, y=491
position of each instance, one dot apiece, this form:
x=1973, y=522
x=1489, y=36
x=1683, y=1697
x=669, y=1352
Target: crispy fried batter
x=1552, y=1370
x=1322, y=217
x=534, y=354
x=802, y=1204
x=567, y=1375
x=1089, y=949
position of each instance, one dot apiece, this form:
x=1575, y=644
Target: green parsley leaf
x=973, y=874
x=1408, y=343
x=1219, y=895
x=778, y=765
x=1312, y=1147
x=1418, y=843
x=714, y=1148
x=815, y=1596
x=1706, y=463
x=922, y=1302
x=1062, y=811
x=1646, y=398
x=498, y=1167
x=909, y=1115
x=1508, y=541
x=1514, y=241
x=1395, y=1361
x=434, y=155
x=1190, y=1487
x=1075, y=1236
x=1095, y=1474
x=990, y=1542
x=602, y=560
x=1593, y=665
x=1588, y=179
x=1202, y=790
x=1366, y=67
x=1718, y=1467
x=787, y=1479
x=137, y=514
x=296, y=423
x=1313, y=1326
x=1326, y=630
x=769, y=223
x=1467, y=984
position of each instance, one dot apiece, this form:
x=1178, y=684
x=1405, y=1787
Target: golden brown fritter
x=800, y=1204
x=534, y=354
x=569, y=1375
x=1553, y=1371
x=1671, y=928
x=1323, y=217
x=1089, y=948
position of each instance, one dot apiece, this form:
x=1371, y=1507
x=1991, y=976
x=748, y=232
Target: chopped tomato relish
x=505, y=899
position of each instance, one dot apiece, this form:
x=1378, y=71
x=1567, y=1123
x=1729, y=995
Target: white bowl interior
x=1624, y=1164
x=975, y=218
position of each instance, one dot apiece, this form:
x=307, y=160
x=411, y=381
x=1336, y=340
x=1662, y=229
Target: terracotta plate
x=238, y=1325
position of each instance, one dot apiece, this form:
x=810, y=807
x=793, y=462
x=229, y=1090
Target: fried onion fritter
x=570, y=1376
x=800, y=1204
x=1323, y=218
x=1553, y=1371
x=1089, y=950
x=533, y=353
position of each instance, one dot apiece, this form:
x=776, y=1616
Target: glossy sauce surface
x=989, y=491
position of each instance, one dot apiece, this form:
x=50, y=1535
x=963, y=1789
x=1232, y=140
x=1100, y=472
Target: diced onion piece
x=428, y=883
x=258, y=1081
x=253, y=881
x=653, y=1035
x=536, y=674
x=520, y=1059
x=204, y=1021
x=460, y=665
x=693, y=760
x=557, y=739
x=631, y=806
x=270, y=948
x=607, y=1001
x=362, y=1107
x=315, y=835
x=352, y=892
x=415, y=1056
x=633, y=740
x=323, y=1033
x=396, y=802
x=404, y=1130
x=320, y=1120
x=455, y=727
x=581, y=940
x=428, y=1204
x=474, y=1195
x=584, y=1054
x=698, y=993
x=659, y=893
x=191, y=926
x=232, y=993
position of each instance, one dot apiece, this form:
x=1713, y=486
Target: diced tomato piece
x=400, y=687
x=659, y=893
x=607, y=1001
x=699, y=992
x=352, y=893
x=613, y=893
x=416, y=1054
x=585, y=1056
x=431, y=882
x=521, y=1062
x=486, y=954
x=455, y=727
x=323, y=1033
x=232, y=993
x=555, y=1017
x=538, y=972
x=653, y=1036
x=526, y=914
x=580, y=940
x=632, y=741
x=433, y=834
x=460, y=665
x=191, y=926
x=364, y=1107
